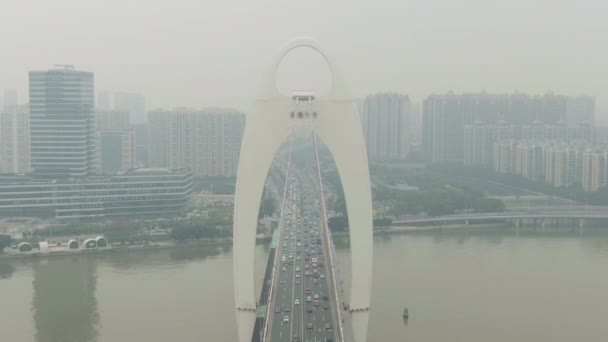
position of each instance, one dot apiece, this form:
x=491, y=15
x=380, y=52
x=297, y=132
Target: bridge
x=579, y=213
x=302, y=298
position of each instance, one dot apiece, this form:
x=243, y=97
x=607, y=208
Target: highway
x=301, y=307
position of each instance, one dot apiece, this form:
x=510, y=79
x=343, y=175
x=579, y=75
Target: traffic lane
x=283, y=331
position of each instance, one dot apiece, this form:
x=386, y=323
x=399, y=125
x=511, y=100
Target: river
x=496, y=285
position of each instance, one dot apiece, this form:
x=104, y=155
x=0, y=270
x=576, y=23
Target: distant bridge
x=575, y=213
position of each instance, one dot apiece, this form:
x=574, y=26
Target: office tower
x=14, y=139
x=133, y=103
x=103, y=101
x=136, y=193
x=62, y=122
x=387, y=125
x=115, y=142
x=208, y=142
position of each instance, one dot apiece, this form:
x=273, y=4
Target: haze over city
x=212, y=53
x=303, y=171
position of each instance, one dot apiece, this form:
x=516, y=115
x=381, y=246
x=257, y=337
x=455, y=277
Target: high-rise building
x=14, y=139
x=479, y=139
x=62, y=122
x=444, y=118
x=443, y=128
x=11, y=101
x=580, y=109
x=208, y=142
x=387, y=128
x=557, y=163
x=133, y=103
x=142, y=144
x=103, y=101
x=595, y=169
x=563, y=164
x=558, y=132
x=115, y=142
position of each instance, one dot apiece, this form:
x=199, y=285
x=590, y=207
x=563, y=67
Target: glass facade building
x=139, y=192
x=62, y=122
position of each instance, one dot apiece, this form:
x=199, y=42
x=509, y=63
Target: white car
x=296, y=302
x=286, y=319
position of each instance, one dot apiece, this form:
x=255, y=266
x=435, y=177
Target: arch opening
x=303, y=68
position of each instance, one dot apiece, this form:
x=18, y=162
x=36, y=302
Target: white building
x=206, y=141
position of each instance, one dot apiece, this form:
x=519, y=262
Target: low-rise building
x=138, y=192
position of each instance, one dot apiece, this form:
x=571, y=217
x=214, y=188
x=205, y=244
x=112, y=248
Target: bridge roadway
x=293, y=314
x=549, y=213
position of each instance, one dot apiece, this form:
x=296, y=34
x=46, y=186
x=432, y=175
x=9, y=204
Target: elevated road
x=559, y=213
x=302, y=306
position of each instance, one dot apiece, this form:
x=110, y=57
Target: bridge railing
x=329, y=243
x=275, y=269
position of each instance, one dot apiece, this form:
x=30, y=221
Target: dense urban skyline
x=472, y=46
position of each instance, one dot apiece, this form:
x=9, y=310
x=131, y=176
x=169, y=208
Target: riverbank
x=415, y=229
x=167, y=244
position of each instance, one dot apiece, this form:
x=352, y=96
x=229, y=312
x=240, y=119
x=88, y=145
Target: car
x=316, y=302
x=287, y=309
x=297, y=268
x=277, y=310
x=282, y=281
x=308, y=290
x=295, y=339
x=286, y=319
x=325, y=306
x=298, y=281
x=309, y=326
x=327, y=326
x=307, y=273
x=296, y=302
x=308, y=299
x=316, y=296
x=309, y=309
x=322, y=276
x=297, y=275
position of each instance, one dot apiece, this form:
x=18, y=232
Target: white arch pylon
x=336, y=123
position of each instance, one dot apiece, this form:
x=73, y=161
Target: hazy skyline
x=202, y=53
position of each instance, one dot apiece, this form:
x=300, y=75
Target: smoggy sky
x=213, y=53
